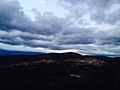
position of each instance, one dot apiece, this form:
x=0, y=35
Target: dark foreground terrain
x=67, y=71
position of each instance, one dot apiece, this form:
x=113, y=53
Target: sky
x=83, y=26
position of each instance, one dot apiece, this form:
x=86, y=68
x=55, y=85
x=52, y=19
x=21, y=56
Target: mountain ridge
x=10, y=52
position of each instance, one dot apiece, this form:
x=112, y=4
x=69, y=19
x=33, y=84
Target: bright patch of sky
x=42, y=6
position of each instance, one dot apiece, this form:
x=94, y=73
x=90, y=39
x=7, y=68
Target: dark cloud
x=49, y=24
x=76, y=35
x=13, y=17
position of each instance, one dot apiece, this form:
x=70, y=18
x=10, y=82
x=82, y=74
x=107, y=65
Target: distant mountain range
x=8, y=52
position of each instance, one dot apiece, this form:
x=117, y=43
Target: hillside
x=53, y=71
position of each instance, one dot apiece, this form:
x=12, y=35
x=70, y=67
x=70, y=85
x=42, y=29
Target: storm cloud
x=89, y=27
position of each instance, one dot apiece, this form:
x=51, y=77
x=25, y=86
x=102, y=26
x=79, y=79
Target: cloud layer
x=90, y=27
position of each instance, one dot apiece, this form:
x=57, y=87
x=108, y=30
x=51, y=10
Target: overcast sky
x=84, y=26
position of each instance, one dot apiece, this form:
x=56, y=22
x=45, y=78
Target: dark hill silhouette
x=55, y=56
x=57, y=71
